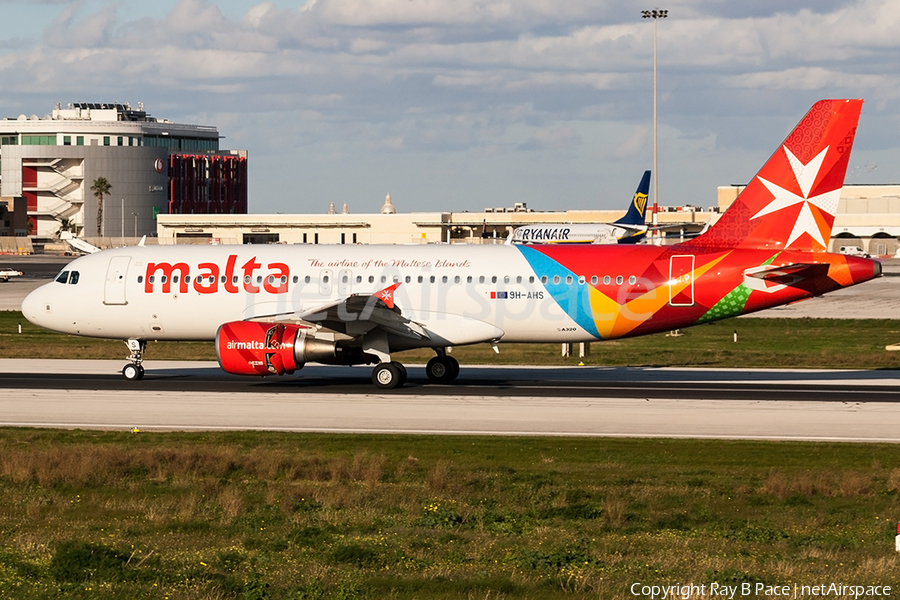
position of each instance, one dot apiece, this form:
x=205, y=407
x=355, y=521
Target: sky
x=455, y=106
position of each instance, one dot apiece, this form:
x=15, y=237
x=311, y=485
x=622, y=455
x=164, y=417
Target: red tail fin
x=792, y=200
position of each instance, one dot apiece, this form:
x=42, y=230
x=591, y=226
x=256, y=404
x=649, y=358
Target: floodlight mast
x=655, y=14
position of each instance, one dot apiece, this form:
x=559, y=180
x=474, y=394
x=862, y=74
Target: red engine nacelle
x=252, y=348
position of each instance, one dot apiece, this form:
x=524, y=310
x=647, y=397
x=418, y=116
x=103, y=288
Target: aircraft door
x=114, y=288
x=325, y=283
x=681, y=280
x=345, y=278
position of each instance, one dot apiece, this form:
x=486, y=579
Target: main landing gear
x=388, y=375
x=133, y=371
x=440, y=369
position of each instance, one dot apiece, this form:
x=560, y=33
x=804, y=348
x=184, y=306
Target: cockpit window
x=73, y=278
x=62, y=277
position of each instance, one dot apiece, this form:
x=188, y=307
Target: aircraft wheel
x=133, y=372
x=387, y=376
x=455, y=365
x=442, y=369
x=403, y=374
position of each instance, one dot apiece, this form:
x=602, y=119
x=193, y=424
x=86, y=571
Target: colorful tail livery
x=271, y=309
x=791, y=202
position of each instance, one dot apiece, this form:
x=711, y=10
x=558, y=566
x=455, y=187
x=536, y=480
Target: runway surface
x=591, y=401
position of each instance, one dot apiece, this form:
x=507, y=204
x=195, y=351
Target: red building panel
x=207, y=184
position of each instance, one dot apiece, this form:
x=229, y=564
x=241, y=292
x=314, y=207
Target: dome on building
x=388, y=208
x=331, y=210
x=345, y=210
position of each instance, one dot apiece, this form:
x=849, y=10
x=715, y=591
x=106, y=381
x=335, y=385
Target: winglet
x=387, y=294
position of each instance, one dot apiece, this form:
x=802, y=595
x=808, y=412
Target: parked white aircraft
x=271, y=309
x=630, y=229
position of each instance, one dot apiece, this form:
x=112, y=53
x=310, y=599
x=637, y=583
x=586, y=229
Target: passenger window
x=73, y=278
x=151, y=279
x=234, y=279
x=163, y=279
x=632, y=280
x=619, y=280
x=324, y=278
x=306, y=279
x=408, y=279
x=543, y=279
x=481, y=279
x=581, y=279
x=296, y=279
x=359, y=279
x=345, y=279
x=283, y=279
x=593, y=280
x=506, y=279
x=246, y=279
x=556, y=279
x=174, y=278
x=63, y=277
x=568, y=279
x=420, y=279
x=432, y=279
x=371, y=279
x=396, y=279
x=259, y=279
x=531, y=279
x=519, y=279
x=469, y=279
x=140, y=279
x=494, y=279
x=383, y=279
x=606, y=280
x=444, y=279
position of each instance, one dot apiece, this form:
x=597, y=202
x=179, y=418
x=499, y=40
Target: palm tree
x=66, y=225
x=100, y=188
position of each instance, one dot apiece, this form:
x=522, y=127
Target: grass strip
x=317, y=516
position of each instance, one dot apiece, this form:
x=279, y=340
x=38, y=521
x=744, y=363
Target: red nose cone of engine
x=251, y=348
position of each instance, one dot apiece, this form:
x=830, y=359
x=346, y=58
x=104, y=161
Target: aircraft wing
x=356, y=315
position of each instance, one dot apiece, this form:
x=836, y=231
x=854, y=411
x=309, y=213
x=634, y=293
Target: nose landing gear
x=133, y=371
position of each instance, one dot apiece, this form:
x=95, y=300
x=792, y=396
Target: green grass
x=315, y=516
x=804, y=343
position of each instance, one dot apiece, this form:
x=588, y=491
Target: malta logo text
x=210, y=278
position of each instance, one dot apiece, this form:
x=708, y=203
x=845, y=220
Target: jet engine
x=253, y=348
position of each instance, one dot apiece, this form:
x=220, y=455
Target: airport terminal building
x=868, y=217
x=154, y=166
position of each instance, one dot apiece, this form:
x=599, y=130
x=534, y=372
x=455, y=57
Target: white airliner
x=271, y=309
x=630, y=229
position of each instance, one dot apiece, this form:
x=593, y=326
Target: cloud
x=361, y=80
x=552, y=138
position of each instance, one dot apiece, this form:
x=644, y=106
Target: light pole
x=135, y=215
x=655, y=14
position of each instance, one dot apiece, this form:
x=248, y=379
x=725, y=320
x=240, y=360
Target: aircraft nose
x=36, y=305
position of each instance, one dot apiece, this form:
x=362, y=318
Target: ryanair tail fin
x=791, y=202
x=638, y=206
